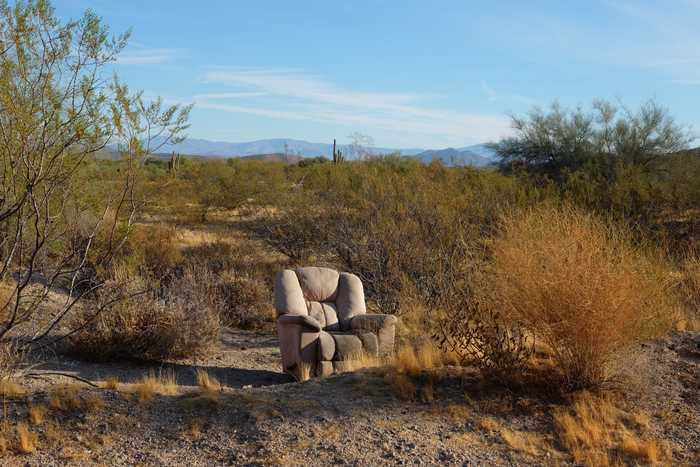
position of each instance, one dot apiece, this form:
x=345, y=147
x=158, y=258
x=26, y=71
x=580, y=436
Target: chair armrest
x=300, y=320
x=372, y=322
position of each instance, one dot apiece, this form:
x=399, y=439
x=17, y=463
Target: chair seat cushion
x=326, y=346
x=347, y=346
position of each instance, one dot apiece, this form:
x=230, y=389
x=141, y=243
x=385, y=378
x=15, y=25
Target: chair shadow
x=131, y=371
x=185, y=374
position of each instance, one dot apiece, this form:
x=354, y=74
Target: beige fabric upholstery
x=289, y=298
x=347, y=346
x=351, y=299
x=318, y=284
x=326, y=347
x=323, y=322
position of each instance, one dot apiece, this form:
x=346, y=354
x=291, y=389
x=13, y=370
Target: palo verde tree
x=560, y=140
x=60, y=225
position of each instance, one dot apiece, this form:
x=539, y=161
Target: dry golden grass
x=209, y=388
x=408, y=363
x=595, y=432
x=65, y=397
x=53, y=433
x=528, y=443
x=648, y=451
x=489, y=424
x=111, y=382
x=37, y=414
x=12, y=390
x=456, y=411
x=361, y=361
x=93, y=402
x=163, y=383
x=412, y=360
x=580, y=285
x=305, y=371
x=27, y=440
x=207, y=382
x=5, y=436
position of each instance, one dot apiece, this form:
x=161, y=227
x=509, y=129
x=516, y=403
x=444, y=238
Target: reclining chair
x=322, y=322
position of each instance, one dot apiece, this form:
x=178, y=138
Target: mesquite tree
x=60, y=105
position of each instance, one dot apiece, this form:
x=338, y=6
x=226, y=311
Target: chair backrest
x=330, y=297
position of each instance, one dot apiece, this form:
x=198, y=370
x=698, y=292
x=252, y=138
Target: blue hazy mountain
x=203, y=147
x=476, y=155
x=479, y=155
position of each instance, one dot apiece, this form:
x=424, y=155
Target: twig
x=57, y=373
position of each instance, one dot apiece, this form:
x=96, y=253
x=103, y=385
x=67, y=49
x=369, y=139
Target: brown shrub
x=148, y=328
x=216, y=256
x=244, y=302
x=689, y=290
x=155, y=249
x=581, y=286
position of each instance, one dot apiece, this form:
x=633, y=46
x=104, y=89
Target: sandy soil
x=261, y=417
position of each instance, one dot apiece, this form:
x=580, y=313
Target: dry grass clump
x=414, y=359
x=65, y=397
x=578, y=283
x=148, y=328
x=37, y=414
x=597, y=433
x=111, y=382
x=405, y=374
x=11, y=390
x=525, y=442
x=28, y=440
x=489, y=424
x=163, y=383
x=207, y=382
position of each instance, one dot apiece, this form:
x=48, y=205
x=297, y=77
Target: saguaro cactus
x=337, y=155
x=174, y=163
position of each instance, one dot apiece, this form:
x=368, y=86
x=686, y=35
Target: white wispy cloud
x=494, y=96
x=146, y=56
x=229, y=95
x=294, y=95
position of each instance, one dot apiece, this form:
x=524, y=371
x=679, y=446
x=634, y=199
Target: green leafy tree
x=558, y=141
x=58, y=108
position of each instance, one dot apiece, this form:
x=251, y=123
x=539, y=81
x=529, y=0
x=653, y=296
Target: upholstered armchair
x=322, y=322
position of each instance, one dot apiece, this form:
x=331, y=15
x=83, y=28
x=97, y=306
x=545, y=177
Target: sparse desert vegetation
x=549, y=304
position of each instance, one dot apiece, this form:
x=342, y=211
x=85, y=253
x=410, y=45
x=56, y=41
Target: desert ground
x=234, y=406
x=259, y=416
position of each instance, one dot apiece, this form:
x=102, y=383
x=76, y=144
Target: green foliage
x=58, y=109
x=562, y=140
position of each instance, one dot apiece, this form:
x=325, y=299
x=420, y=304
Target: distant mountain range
x=203, y=147
x=476, y=155
x=479, y=155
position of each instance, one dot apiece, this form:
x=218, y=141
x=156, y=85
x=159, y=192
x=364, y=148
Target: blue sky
x=409, y=73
